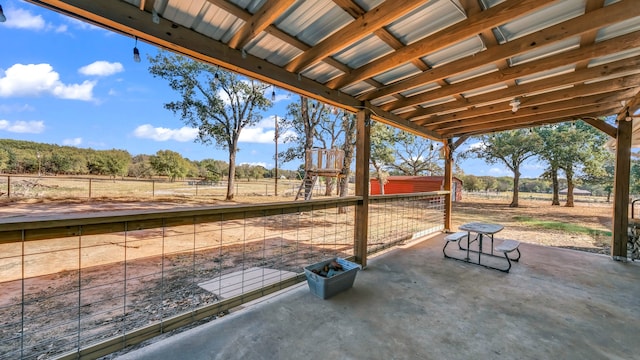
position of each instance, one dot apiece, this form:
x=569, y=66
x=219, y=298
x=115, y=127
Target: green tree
x=583, y=154
x=5, y=157
x=169, y=163
x=141, y=167
x=510, y=148
x=382, y=152
x=218, y=103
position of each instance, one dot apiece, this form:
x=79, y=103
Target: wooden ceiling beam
x=265, y=16
x=620, y=67
x=590, y=21
x=506, y=126
x=582, y=90
x=531, y=111
x=559, y=116
x=618, y=44
x=612, y=131
x=492, y=17
x=362, y=26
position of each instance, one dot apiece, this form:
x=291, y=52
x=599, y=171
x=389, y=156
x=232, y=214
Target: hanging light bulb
x=2, y=17
x=216, y=77
x=515, y=105
x=273, y=93
x=244, y=53
x=136, y=52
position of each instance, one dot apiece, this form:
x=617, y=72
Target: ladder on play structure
x=306, y=188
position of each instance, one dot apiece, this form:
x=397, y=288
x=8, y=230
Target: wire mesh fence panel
x=394, y=219
x=88, y=285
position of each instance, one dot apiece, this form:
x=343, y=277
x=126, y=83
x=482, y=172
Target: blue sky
x=65, y=82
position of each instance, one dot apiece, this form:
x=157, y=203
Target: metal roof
x=440, y=68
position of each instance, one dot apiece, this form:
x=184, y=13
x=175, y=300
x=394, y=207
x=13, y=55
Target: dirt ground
x=147, y=285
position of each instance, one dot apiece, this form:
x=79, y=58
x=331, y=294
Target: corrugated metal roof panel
x=548, y=16
x=183, y=12
x=483, y=70
x=470, y=46
x=383, y=100
x=438, y=101
x=250, y=5
x=546, y=74
x=618, y=29
x=368, y=4
x=421, y=89
x=363, y=51
x=272, y=49
x=357, y=88
x=321, y=72
x=484, y=90
x=614, y=57
x=398, y=73
x=426, y=20
x=217, y=23
x=555, y=48
x=313, y=21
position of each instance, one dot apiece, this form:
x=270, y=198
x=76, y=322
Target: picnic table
x=478, y=232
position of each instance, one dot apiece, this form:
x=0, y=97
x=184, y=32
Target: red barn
x=416, y=184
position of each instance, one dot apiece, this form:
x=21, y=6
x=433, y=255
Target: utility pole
x=276, y=171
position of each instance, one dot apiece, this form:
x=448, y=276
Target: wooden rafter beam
x=602, y=126
x=622, y=84
x=623, y=10
x=492, y=17
x=618, y=44
x=268, y=13
x=559, y=116
x=555, y=107
x=362, y=26
x=620, y=67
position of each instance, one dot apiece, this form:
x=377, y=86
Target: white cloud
x=101, y=68
x=5, y=108
x=500, y=171
x=263, y=132
x=475, y=145
x=263, y=164
x=31, y=127
x=183, y=134
x=36, y=79
x=72, y=142
x=23, y=19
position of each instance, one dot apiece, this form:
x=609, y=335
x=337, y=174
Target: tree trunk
x=232, y=175
x=516, y=182
x=554, y=181
x=328, y=182
x=569, y=191
x=381, y=180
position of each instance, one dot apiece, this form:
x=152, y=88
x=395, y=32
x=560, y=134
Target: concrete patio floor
x=411, y=303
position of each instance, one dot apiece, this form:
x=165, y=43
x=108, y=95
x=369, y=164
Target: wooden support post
x=621, y=191
x=363, y=152
x=448, y=180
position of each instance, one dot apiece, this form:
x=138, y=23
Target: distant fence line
x=508, y=195
x=33, y=187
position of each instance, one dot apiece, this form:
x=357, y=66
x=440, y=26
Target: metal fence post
x=8, y=186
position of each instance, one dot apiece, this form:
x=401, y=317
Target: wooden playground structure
x=319, y=162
